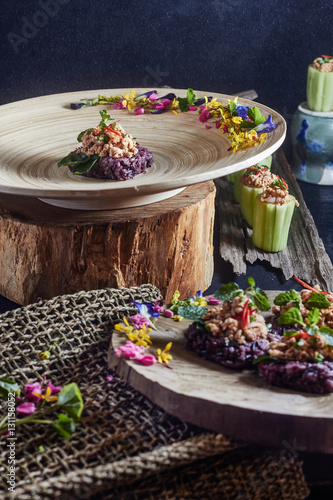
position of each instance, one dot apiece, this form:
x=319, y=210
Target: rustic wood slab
x=305, y=255
x=237, y=403
x=48, y=251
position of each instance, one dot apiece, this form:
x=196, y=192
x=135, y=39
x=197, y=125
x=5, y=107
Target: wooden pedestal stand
x=48, y=251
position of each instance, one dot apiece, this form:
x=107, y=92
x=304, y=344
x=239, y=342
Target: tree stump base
x=48, y=251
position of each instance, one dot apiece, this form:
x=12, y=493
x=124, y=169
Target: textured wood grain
x=237, y=403
x=305, y=255
x=48, y=251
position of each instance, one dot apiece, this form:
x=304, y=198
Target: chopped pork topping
x=255, y=177
x=301, y=347
x=119, y=144
x=236, y=320
x=324, y=67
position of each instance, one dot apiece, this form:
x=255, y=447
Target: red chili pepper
x=310, y=287
x=112, y=130
x=328, y=57
x=246, y=315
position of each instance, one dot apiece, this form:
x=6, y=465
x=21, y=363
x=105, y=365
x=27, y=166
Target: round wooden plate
x=236, y=403
x=36, y=133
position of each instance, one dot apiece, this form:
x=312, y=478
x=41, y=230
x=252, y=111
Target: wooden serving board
x=237, y=403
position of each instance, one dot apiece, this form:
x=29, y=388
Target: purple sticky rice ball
x=302, y=376
x=223, y=352
x=121, y=169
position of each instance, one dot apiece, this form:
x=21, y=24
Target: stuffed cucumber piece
x=248, y=195
x=320, y=84
x=266, y=163
x=271, y=223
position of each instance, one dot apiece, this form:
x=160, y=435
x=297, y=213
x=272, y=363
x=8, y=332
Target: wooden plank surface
x=305, y=255
x=237, y=403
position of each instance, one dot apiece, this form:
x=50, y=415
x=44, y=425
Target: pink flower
x=139, y=111
x=225, y=128
x=147, y=359
x=163, y=104
x=130, y=350
x=168, y=313
x=54, y=389
x=26, y=408
x=213, y=301
x=153, y=96
x=119, y=105
x=192, y=108
x=109, y=378
x=208, y=127
x=34, y=387
x=217, y=124
x=158, y=307
x=204, y=115
x=138, y=321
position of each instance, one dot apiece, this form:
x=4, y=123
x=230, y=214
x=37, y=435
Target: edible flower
x=164, y=356
x=213, y=301
x=27, y=408
x=49, y=393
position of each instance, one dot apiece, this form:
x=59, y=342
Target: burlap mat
x=124, y=447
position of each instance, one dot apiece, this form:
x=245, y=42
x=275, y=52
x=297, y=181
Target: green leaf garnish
x=318, y=300
x=291, y=317
x=191, y=312
x=8, y=385
x=313, y=317
x=228, y=292
x=285, y=297
x=255, y=115
x=79, y=137
x=73, y=159
x=105, y=118
x=71, y=400
x=65, y=426
x=185, y=102
x=260, y=300
x=291, y=333
x=327, y=333
x=84, y=167
x=251, y=282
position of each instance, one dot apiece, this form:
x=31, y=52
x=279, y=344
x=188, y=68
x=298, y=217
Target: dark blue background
x=219, y=45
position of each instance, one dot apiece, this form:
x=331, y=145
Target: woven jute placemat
x=124, y=447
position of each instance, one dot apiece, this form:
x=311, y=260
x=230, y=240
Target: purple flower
x=146, y=308
x=75, y=105
x=148, y=94
x=242, y=111
x=268, y=126
x=26, y=408
x=192, y=108
x=171, y=96
x=109, y=378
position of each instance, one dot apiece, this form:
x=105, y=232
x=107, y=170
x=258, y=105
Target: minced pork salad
x=108, y=152
x=294, y=351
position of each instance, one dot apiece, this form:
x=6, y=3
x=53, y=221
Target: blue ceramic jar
x=312, y=145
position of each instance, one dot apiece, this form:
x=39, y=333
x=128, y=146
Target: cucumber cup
x=271, y=224
x=319, y=90
x=248, y=195
x=267, y=162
